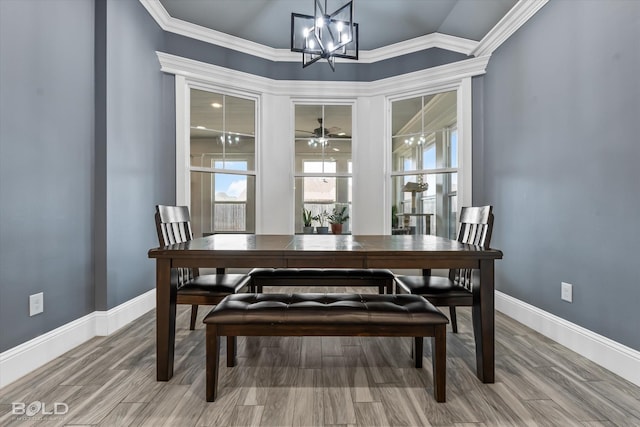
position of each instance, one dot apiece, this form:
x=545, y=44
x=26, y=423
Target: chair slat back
x=476, y=225
x=173, y=225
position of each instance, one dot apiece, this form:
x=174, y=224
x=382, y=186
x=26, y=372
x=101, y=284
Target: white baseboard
x=107, y=322
x=617, y=358
x=25, y=358
x=20, y=360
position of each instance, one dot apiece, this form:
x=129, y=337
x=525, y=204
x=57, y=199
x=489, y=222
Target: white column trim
x=465, y=143
x=182, y=147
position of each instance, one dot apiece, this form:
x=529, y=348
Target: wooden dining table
x=326, y=251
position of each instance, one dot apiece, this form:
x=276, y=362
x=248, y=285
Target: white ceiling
x=381, y=22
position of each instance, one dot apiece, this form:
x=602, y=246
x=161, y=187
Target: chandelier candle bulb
x=339, y=40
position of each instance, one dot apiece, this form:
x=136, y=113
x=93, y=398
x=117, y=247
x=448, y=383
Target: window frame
x=463, y=89
x=322, y=102
x=184, y=168
x=371, y=118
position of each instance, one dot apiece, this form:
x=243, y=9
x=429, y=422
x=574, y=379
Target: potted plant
x=307, y=218
x=322, y=219
x=337, y=218
x=394, y=216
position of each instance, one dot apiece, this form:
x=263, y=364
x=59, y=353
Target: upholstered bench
x=381, y=278
x=325, y=315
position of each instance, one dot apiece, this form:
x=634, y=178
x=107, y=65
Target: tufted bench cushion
x=326, y=315
x=383, y=279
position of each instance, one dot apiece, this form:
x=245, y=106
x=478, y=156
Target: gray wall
x=75, y=227
x=558, y=155
x=186, y=47
x=139, y=152
x=46, y=163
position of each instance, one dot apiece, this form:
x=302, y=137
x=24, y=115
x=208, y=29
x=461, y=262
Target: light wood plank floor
x=308, y=381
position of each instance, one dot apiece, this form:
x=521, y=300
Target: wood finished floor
x=309, y=381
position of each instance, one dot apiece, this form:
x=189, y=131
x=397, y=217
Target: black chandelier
x=325, y=35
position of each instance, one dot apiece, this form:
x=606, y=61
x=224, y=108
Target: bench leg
x=212, y=347
x=418, y=352
x=454, y=319
x=439, y=360
x=231, y=352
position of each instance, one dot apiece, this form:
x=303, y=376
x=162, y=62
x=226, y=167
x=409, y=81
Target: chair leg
x=454, y=320
x=231, y=351
x=418, y=353
x=194, y=314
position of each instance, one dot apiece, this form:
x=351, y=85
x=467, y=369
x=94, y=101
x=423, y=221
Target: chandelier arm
x=325, y=35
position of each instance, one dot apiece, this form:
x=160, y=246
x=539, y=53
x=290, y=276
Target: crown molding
x=519, y=14
x=440, y=77
x=434, y=40
x=187, y=29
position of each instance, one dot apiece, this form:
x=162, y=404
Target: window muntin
x=222, y=148
x=424, y=157
x=323, y=164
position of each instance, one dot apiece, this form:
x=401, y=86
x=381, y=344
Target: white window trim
x=183, y=88
x=372, y=104
x=465, y=154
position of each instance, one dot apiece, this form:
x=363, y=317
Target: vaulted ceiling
x=382, y=22
x=387, y=28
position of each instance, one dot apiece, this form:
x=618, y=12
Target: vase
x=307, y=230
x=336, y=228
x=322, y=230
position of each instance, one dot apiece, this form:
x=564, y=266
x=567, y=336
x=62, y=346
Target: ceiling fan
x=322, y=132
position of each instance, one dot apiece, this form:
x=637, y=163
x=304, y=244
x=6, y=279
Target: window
x=424, y=175
x=322, y=162
x=222, y=163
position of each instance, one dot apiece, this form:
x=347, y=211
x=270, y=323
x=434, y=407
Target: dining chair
x=173, y=225
x=476, y=224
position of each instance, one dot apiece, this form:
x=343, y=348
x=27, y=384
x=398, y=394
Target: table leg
x=483, y=322
x=165, y=320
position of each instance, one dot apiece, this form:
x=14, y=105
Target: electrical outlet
x=566, y=292
x=36, y=304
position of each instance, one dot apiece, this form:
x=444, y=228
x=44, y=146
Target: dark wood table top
x=366, y=251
